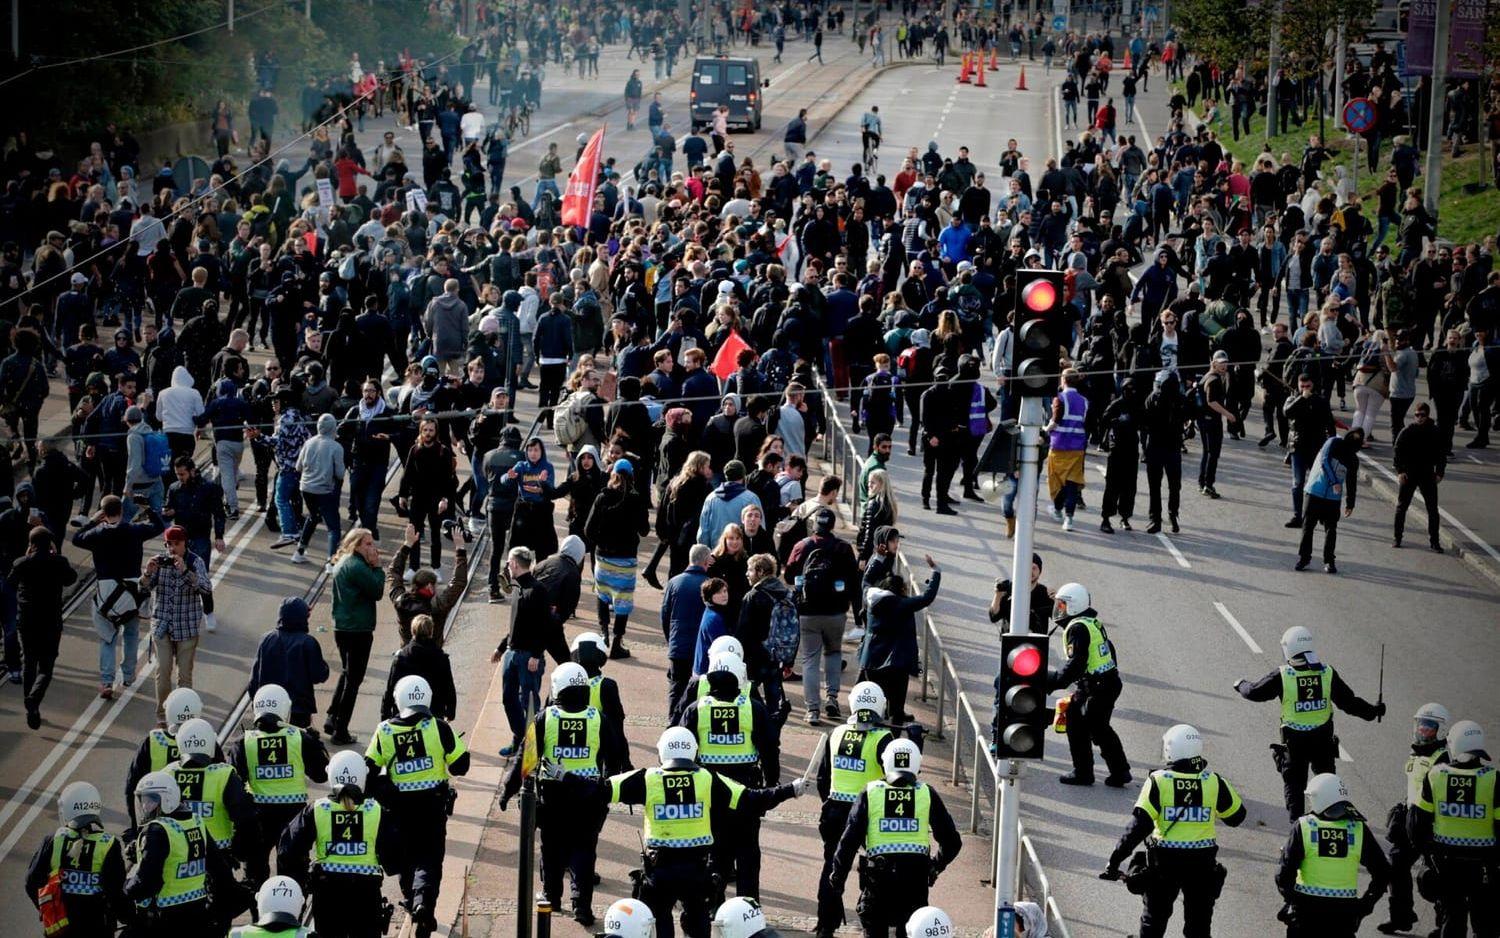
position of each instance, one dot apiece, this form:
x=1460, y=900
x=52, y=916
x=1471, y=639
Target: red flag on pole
x=578, y=199
x=726, y=362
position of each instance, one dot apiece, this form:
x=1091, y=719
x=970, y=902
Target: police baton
x=1380, y=691
x=815, y=761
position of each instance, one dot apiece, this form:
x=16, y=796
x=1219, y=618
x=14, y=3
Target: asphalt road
x=1190, y=613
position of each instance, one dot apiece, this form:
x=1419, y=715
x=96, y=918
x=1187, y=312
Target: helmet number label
x=1333, y=842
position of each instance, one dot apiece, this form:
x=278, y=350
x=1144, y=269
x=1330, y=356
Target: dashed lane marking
x=1172, y=549
x=1239, y=629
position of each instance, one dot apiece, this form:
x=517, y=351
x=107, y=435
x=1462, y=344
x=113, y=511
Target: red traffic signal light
x=1024, y=661
x=1040, y=296
x=1021, y=715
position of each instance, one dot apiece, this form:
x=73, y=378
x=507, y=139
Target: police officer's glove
x=1111, y=873
x=552, y=771
x=1367, y=904
x=504, y=802
x=1287, y=915
x=932, y=875
x=1240, y=685
x=1380, y=710
x=799, y=785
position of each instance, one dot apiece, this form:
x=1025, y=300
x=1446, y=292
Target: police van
x=719, y=79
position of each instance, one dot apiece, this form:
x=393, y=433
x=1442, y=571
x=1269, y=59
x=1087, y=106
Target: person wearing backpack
x=825, y=574
x=878, y=401
x=770, y=629
x=579, y=420
x=146, y=460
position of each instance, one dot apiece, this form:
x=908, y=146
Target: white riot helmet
x=196, y=738
x=901, y=757
x=1466, y=741
x=156, y=794
x=568, y=674
x=1071, y=599
x=347, y=769
x=1324, y=791
x=599, y=648
x=677, y=748
x=279, y=902
x=867, y=702
x=929, y=922
x=630, y=918
x=732, y=663
x=413, y=695
x=182, y=705
x=1296, y=642
x=1181, y=742
x=726, y=644
x=1430, y=723
x=272, y=700
x=79, y=804
x=739, y=917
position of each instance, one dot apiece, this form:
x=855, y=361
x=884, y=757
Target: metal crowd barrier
x=971, y=754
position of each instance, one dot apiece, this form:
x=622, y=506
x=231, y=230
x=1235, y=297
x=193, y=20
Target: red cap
x=176, y=533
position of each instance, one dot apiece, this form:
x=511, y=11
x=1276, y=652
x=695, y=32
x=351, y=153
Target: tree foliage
x=1223, y=32
x=65, y=98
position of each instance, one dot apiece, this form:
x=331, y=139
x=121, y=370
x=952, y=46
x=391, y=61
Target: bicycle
x=871, y=152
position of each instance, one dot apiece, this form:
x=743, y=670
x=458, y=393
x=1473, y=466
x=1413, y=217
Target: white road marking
x=143, y=676
x=1172, y=549
x=1447, y=515
x=1344, y=754
x=1475, y=459
x=1239, y=629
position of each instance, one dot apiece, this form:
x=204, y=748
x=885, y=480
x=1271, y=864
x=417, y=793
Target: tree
x=1219, y=31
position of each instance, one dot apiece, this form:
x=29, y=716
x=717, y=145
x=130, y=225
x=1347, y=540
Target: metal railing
x=971, y=754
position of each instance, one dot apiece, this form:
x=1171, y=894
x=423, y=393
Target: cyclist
x=869, y=133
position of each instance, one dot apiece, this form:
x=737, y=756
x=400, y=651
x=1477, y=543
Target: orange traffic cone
x=963, y=74
x=1021, y=81
x=994, y=60
x=979, y=73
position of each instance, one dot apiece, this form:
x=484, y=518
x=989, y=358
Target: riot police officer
x=590, y=650
x=742, y=917
x=1453, y=823
x=1308, y=690
x=214, y=791
x=894, y=820
x=682, y=800
x=177, y=868
x=278, y=908
x=629, y=918
x=159, y=749
x=1319, y=872
x=1092, y=664
x=574, y=736
x=854, y=751
x=1175, y=815
x=737, y=741
x=1428, y=748
x=929, y=922
x=89, y=865
x=418, y=754
x=697, y=690
x=276, y=760
x=352, y=846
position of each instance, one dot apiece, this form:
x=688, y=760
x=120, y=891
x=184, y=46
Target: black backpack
x=817, y=585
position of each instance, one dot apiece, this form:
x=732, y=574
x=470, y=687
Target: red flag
x=578, y=199
x=726, y=362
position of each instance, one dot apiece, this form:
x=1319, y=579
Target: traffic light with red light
x=1041, y=332
x=1021, y=714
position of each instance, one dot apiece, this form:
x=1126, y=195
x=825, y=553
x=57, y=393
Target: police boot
x=1396, y=926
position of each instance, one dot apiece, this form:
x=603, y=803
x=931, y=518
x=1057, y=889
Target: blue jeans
x=1129, y=108
x=1008, y=500
x=155, y=491
x=1300, y=465
x=367, y=484
x=326, y=506
x=286, y=493
x=110, y=636
x=544, y=185
x=1070, y=113
x=481, y=485
x=1296, y=306
x=520, y=689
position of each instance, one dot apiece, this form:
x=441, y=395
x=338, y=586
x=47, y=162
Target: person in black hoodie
x=1420, y=460
x=1161, y=425
x=428, y=485
x=582, y=486
x=39, y=579
x=366, y=432
x=718, y=434
x=628, y=415
x=1274, y=388
x=424, y=657
x=615, y=526
x=347, y=352
x=1121, y=425
x=289, y=656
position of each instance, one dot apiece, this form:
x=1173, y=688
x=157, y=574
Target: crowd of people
x=689, y=344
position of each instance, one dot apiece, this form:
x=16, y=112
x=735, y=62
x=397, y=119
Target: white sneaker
x=1067, y=524
x=210, y=624
x=300, y=557
x=285, y=540
x=854, y=635
x=79, y=520
x=1057, y=515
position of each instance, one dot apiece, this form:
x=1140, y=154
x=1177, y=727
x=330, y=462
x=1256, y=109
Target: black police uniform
x=88, y=914
x=272, y=819
x=737, y=836
x=1314, y=749
x=1092, y=706
x=1403, y=853
x=226, y=898
x=1308, y=916
x=344, y=904
x=570, y=825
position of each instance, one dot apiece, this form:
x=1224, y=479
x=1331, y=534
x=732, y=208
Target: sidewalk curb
x=1473, y=559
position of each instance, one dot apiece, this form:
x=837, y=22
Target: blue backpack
x=158, y=457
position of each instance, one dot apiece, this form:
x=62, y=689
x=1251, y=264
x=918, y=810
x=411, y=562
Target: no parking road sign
x=1359, y=115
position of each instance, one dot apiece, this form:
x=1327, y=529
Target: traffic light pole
x=1008, y=785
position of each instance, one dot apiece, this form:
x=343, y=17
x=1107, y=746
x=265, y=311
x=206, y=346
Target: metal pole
x=1433, y=170
x=1340, y=50
x=974, y=785
x=15, y=30
x=231, y=16
x=1007, y=785
x=1273, y=65
x=525, y=876
x=307, y=8
x=544, y=912
x=942, y=694
x=958, y=744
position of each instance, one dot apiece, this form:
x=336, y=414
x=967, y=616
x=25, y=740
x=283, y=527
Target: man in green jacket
x=358, y=584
